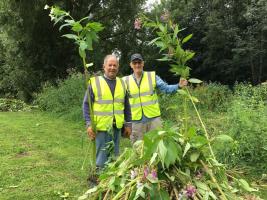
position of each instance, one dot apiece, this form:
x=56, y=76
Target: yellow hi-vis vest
x=143, y=98
x=105, y=107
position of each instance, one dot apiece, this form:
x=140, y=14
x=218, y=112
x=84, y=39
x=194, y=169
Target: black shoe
x=92, y=180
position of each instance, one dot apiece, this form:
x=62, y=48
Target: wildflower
x=146, y=171
x=154, y=174
x=165, y=16
x=133, y=174
x=190, y=191
x=137, y=24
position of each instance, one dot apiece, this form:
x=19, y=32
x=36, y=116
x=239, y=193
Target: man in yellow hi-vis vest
x=141, y=88
x=110, y=107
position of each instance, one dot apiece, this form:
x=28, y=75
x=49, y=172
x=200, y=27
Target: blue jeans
x=102, y=138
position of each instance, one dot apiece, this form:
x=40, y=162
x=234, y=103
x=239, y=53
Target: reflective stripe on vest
x=143, y=98
x=105, y=106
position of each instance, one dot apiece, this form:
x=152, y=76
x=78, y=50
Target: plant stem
x=118, y=195
x=176, y=193
x=209, y=171
x=202, y=124
x=106, y=195
x=91, y=113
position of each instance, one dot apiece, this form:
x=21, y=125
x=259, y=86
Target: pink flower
x=190, y=191
x=137, y=24
x=146, y=171
x=165, y=16
x=154, y=174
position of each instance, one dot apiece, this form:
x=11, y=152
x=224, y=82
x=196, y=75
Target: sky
x=149, y=2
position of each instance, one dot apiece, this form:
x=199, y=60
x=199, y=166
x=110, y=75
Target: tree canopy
x=229, y=38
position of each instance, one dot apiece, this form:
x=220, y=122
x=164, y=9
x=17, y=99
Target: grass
x=40, y=157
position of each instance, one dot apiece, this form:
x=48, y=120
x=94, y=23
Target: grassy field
x=40, y=157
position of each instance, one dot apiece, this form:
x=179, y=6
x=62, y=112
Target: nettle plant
x=84, y=33
x=177, y=162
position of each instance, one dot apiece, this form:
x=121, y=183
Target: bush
x=65, y=98
x=13, y=105
x=212, y=97
x=247, y=124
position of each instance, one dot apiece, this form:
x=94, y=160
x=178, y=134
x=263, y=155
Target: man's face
x=111, y=68
x=137, y=66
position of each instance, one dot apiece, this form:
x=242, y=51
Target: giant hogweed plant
x=174, y=163
x=84, y=33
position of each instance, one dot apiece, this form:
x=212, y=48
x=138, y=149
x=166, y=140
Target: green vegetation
x=40, y=156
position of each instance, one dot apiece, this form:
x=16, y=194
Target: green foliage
x=167, y=40
x=83, y=35
x=171, y=160
x=12, y=105
x=65, y=98
x=212, y=96
x=42, y=154
x=247, y=124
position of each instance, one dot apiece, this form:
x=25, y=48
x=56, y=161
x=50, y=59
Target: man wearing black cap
x=141, y=88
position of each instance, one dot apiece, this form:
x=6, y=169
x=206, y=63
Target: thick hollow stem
x=202, y=123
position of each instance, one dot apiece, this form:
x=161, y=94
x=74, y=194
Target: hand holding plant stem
x=169, y=42
x=83, y=34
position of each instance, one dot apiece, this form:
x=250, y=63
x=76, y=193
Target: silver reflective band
x=118, y=111
x=123, y=86
x=127, y=82
x=103, y=113
x=118, y=100
x=150, y=82
x=141, y=94
x=97, y=82
x=144, y=104
x=101, y=101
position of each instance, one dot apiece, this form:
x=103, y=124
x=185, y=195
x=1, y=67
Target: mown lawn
x=40, y=157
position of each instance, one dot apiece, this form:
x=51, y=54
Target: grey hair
x=110, y=56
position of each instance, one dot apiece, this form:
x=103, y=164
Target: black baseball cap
x=136, y=56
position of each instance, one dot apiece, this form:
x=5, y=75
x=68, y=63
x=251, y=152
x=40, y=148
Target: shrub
x=213, y=96
x=247, y=124
x=65, y=98
x=13, y=105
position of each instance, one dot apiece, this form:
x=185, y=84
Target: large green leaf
x=187, y=38
x=194, y=80
x=244, y=185
x=97, y=27
x=76, y=27
x=162, y=151
x=187, y=147
x=71, y=36
x=194, y=156
x=198, y=141
x=223, y=138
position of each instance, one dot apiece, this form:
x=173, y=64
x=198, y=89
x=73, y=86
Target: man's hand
x=127, y=131
x=91, y=133
x=183, y=82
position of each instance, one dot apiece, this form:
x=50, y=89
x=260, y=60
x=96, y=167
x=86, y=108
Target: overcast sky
x=149, y=2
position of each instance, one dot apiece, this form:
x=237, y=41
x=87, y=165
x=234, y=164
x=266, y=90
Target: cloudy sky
x=149, y=2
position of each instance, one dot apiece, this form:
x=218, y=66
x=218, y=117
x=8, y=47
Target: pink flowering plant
x=177, y=162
